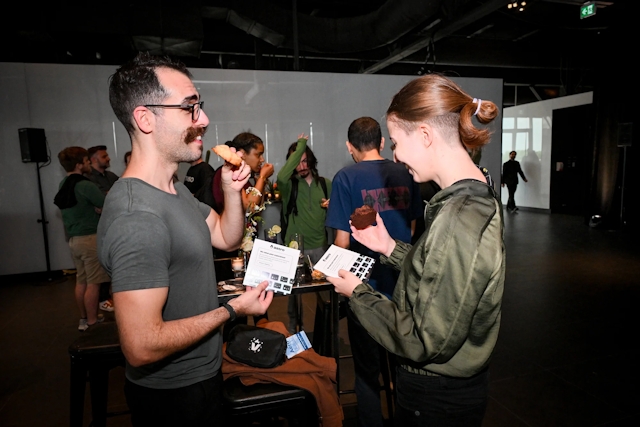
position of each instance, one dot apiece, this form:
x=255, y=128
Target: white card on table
x=272, y=262
x=337, y=258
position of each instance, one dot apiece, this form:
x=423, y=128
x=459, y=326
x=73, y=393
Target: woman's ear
x=144, y=119
x=426, y=132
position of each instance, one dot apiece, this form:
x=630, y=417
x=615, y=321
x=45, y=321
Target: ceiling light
x=509, y=6
x=521, y=9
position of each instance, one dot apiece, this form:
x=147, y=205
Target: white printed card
x=272, y=262
x=337, y=258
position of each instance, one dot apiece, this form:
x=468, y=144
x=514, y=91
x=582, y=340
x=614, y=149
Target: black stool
x=246, y=404
x=95, y=352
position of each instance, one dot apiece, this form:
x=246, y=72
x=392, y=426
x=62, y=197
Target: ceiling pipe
x=437, y=33
x=271, y=23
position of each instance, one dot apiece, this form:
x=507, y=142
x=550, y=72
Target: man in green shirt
x=80, y=202
x=310, y=208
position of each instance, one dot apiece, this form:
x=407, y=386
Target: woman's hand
x=376, y=237
x=303, y=136
x=346, y=283
x=266, y=171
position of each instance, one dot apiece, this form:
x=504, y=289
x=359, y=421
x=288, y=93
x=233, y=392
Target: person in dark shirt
x=199, y=180
x=510, y=171
x=100, y=162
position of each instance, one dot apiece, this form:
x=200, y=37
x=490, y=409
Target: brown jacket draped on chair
x=307, y=370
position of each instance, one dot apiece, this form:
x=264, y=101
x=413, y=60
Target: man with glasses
x=155, y=238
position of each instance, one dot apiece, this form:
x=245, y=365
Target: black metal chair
x=93, y=354
x=260, y=402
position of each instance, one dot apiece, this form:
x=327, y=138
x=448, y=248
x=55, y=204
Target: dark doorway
x=571, y=159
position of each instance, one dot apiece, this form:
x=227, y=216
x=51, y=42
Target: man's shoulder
x=136, y=199
x=111, y=174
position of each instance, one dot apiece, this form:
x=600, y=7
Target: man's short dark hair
x=95, y=149
x=136, y=83
x=71, y=156
x=512, y=152
x=365, y=134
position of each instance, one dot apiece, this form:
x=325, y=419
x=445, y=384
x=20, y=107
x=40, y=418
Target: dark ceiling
x=541, y=52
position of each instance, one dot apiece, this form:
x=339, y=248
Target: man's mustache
x=194, y=132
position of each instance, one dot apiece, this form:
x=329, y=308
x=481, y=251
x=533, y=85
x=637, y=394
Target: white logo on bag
x=255, y=345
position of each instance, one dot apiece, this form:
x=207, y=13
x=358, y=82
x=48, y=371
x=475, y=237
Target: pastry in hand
x=363, y=217
x=317, y=275
x=227, y=155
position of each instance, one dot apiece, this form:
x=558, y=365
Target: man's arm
x=92, y=193
x=292, y=162
x=342, y=239
x=146, y=338
x=227, y=229
x=522, y=173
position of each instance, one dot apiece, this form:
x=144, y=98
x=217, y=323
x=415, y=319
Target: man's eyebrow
x=190, y=98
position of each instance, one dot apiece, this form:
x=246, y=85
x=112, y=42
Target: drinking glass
x=273, y=239
x=297, y=242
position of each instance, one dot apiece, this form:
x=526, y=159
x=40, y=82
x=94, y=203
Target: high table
x=303, y=288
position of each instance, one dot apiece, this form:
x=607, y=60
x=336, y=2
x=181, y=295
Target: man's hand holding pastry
x=235, y=172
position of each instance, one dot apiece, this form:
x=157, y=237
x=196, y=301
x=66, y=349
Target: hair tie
x=479, y=101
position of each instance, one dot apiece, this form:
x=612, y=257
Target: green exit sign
x=588, y=9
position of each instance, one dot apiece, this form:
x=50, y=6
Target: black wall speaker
x=33, y=145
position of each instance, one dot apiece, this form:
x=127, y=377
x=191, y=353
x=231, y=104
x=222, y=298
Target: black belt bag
x=257, y=347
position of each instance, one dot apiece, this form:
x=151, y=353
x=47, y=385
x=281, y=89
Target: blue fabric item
x=390, y=190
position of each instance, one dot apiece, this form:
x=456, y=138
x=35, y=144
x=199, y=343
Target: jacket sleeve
x=433, y=305
x=398, y=255
x=91, y=192
x=289, y=167
x=520, y=172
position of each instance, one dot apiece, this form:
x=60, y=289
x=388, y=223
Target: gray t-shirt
x=148, y=238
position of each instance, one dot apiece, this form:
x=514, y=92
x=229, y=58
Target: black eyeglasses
x=194, y=108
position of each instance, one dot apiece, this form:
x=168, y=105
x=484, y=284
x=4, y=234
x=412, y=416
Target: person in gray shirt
x=155, y=238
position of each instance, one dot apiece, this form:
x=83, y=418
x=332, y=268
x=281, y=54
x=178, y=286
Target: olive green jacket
x=444, y=316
